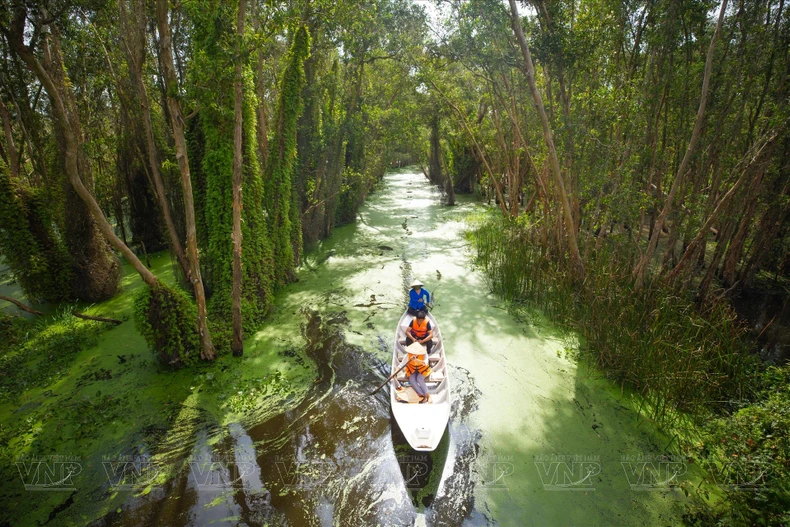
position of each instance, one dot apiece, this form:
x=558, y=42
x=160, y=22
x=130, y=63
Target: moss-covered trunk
x=213, y=72
x=284, y=223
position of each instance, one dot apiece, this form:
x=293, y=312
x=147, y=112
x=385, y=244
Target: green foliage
x=167, y=319
x=35, y=254
x=747, y=454
x=317, y=128
x=211, y=151
x=284, y=224
x=257, y=252
x=196, y=145
x=655, y=341
x=352, y=193
x=38, y=352
x=680, y=360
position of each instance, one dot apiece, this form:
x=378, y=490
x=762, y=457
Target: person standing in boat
x=420, y=331
x=419, y=298
x=417, y=370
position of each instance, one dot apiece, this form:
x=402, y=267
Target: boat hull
x=422, y=425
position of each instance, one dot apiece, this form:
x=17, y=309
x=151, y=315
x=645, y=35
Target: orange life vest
x=419, y=330
x=417, y=364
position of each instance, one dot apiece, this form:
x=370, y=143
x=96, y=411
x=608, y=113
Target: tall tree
x=133, y=25
x=641, y=267
x=554, y=163
x=282, y=151
x=96, y=269
x=214, y=56
x=237, y=345
x=177, y=124
x=167, y=333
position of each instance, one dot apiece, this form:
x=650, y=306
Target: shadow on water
x=339, y=456
x=336, y=458
x=421, y=471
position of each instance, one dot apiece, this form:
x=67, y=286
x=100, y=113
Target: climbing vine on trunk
x=31, y=248
x=213, y=72
x=284, y=223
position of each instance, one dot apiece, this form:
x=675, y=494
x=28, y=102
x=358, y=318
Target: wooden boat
x=422, y=424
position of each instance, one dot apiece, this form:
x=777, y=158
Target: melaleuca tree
x=136, y=109
x=176, y=115
x=358, y=106
x=212, y=73
x=96, y=270
x=49, y=68
x=285, y=218
x=310, y=170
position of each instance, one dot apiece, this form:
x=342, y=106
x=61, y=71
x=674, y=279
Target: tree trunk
x=703, y=232
x=134, y=47
x=177, y=122
x=56, y=89
x=263, y=129
x=13, y=155
x=434, y=165
x=529, y=71
x=237, y=344
x=96, y=268
x=641, y=267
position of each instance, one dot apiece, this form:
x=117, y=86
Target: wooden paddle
x=388, y=380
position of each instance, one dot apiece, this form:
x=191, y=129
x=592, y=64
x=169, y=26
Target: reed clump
x=679, y=359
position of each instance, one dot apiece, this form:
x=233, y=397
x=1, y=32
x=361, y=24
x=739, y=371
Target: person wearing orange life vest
x=417, y=370
x=420, y=331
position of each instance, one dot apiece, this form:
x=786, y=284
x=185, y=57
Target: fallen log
x=97, y=319
x=20, y=305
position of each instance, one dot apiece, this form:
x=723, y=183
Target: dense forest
x=636, y=156
x=132, y=127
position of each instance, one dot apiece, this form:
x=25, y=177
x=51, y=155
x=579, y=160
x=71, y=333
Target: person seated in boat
x=417, y=370
x=419, y=298
x=419, y=330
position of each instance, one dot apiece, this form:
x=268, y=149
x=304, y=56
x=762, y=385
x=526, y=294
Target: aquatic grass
x=655, y=342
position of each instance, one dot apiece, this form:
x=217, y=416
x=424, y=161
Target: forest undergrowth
x=689, y=367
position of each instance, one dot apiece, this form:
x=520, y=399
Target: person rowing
x=419, y=298
x=417, y=370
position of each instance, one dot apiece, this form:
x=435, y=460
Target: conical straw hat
x=415, y=348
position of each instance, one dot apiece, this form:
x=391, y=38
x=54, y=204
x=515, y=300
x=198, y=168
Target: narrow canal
x=534, y=439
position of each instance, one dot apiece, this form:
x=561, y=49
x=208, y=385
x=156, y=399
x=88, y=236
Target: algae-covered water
x=287, y=435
